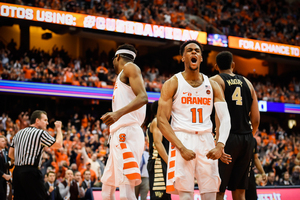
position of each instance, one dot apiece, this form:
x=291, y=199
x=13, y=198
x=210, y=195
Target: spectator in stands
x=78, y=191
x=95, y=166
x=46, y=162
x=88, y=167
x=286, y=179
x=76, y=121
x=71, y=188
x=259, y=180
x=152, y=73
x=271, y=179
x=64, y=186
x=51, y=187
x=296, y=175
x=87, y=182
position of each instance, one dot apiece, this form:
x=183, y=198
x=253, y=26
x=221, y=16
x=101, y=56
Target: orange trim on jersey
x=172, y=164
x=170, y=188
x=127, y=155
x=130, y=165
x=173, y=153
x=133, y=176
x=171, y=175
x=123, y=145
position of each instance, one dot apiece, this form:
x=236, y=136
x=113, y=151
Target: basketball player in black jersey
x=243, y=108
x=158, y=159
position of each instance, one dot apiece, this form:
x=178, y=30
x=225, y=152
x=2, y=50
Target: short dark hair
x=37, y=114
x=189, y=42
x=51, y=172
x=86, y=171
x=224, y=60
x=125, y=55
x=154, y=107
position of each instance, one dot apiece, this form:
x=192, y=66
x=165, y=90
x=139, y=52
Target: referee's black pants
x=28, y=183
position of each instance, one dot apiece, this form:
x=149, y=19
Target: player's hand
x=264, y=177
x=216, y=152
x=187, y=154
x=110, y=118
x=226, y=158
x=58, y=124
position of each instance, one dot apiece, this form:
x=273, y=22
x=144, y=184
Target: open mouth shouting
x=194, y=59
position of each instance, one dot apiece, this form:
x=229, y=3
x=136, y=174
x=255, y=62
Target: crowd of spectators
x=96, y=70
x=275, y=21
x=276, y=89
x=279, y=155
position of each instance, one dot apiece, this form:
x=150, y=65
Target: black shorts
x=157, y=170
x=235, y=175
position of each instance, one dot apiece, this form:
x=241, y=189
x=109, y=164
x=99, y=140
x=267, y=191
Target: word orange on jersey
x=196, y=100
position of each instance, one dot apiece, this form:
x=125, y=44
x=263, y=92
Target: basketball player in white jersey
x=189, y=97
x=127, y=138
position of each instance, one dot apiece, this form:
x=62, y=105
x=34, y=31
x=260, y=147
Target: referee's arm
x=59, y=138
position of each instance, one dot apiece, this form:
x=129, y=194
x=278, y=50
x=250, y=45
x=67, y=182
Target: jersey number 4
x=194, y=115
x=237, y=97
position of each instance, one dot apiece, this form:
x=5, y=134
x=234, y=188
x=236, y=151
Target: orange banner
x=264, y=47
x=100, y=23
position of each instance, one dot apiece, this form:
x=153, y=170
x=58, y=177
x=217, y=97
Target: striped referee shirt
x=29, y=144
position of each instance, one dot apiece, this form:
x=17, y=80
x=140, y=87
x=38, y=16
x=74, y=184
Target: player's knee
x=105, y=195
x=127, y=197
x=185, y=195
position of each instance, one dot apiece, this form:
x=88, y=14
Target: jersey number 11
x=194, y=115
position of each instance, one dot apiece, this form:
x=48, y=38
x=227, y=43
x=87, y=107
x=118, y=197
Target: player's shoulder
x=248, y=82
x=217, y=78
x=170, y=86
x=213, y=82
x=130, y=66
x=171, y=81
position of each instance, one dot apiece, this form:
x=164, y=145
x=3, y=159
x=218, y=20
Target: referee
x=26, y=150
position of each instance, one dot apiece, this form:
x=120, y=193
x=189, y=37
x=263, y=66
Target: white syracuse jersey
x=192, y=106
x=122, y=96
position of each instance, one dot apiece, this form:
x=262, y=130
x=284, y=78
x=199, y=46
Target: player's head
x=154, y=107
x=191, y=52
x=224, y=60
x=127, y=52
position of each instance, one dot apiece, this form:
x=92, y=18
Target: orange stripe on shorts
x=170, y=188
x=127, y=155
x=172, y=164
x=130, y=165
x=133, y=176
x=123, y=145
x=173, y=153
x=170, y=175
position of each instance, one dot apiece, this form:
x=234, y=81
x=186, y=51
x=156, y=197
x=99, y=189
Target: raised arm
x=59, y=138
x=163, y=115
x=157, y=140
x=133, y=73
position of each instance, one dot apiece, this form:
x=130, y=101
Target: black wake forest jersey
x=239, y=101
